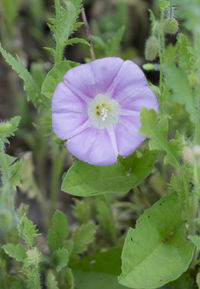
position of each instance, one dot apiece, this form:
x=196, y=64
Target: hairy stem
x=161, y=39
x=57, y=166
x=89, y=35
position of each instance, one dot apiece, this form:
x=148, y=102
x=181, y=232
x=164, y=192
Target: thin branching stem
x=89, y=35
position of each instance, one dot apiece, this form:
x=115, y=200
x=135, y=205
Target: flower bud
x=170, y=26
x=148, y=67
x=192, y=80
x=151, y=48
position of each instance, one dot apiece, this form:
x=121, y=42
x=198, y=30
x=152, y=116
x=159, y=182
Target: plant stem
x=89, y=35
x=195, y=198
x=193, y=264
x=171, y=9
x=57, y=166
x=161, y=39
x=142, y=196
x=112, y=229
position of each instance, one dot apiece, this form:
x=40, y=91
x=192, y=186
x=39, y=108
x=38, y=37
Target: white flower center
x=103, y=111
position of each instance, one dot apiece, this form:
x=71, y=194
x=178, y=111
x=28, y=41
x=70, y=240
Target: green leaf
x=99, y=42
x=11, y=170
x=157, y=132
x=83, y=236
x=66, y=16
x=163, y=4
x=28, y=183
x=152, y=18
x=195, y=240
x=198, y=280
x=51, y=282
x=103, y=267
x=189, y=10
x=31, y=268
x=177, y=81
x=83, y=179
x=108, y=262
x=16, y=252
x=54, y=77
x=27, y=230
x=36, y=11
x=16, y=173
x=113, y=45
x=69, y=278
x=61, y=258
x=165, y=256
x=105, y=217
x=33, y=257
x=38, y=71
x=77, y=40
x=82, y=210
x=30, y=86
x=182, y=282
x=6, y=218
x=58, y=232
x=91, y=280
x=185, y=53
x=8, y=128
x=10, y=9
x=6, y=162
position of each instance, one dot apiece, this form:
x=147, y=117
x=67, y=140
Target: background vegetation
x=50, y=239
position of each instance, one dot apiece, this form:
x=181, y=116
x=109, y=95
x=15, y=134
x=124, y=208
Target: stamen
x=102, y=110
x=104, y=113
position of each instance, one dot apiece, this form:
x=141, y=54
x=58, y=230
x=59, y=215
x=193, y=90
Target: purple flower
x=97, y=109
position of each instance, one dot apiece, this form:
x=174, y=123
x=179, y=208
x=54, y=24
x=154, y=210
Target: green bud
x=192, y=80
x=170, y=26
x=148, y=67
x=151, y=48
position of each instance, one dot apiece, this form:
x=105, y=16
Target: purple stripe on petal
x=105, y=72
x=129, y=75
x=113, y=139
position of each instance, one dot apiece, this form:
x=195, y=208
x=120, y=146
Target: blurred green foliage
x=71, y=256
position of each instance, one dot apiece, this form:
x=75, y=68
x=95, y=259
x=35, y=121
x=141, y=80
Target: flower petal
x=134, y=100
x=127, y=135
x=64, y=100
x=129, y=75
x=93, y=146
x=66, y=125
x=111, y=77
x=93, y=78
x=69, y=112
